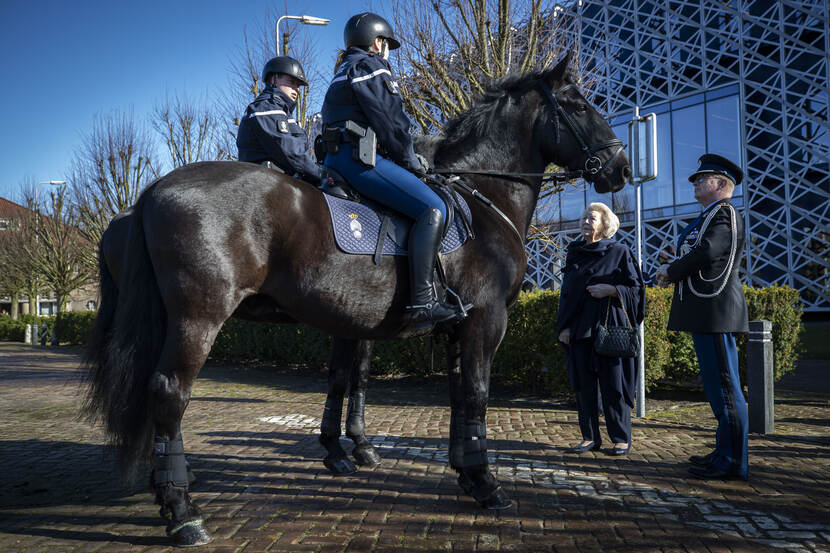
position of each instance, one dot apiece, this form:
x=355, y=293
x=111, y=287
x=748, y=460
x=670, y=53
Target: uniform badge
x=393, y=86
x=282, y=126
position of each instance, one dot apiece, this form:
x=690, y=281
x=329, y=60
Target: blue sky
x=63, y=62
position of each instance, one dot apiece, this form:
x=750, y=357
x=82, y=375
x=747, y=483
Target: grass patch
x=815, y=341
x=681, y=414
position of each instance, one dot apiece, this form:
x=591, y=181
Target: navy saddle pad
x=357, y=228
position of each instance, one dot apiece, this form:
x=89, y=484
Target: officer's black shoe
x=702, y=460
x=712, y=472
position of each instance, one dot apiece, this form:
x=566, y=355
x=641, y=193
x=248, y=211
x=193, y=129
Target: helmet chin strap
x=383, y=52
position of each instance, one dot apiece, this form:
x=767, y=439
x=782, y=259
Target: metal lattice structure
x=777, y=52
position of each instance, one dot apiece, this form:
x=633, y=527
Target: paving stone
x=262, y=486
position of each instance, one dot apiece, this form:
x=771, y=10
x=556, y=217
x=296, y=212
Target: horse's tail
x=124, y=348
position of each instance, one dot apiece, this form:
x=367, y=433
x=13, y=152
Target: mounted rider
x=267, y=132
x=368, y=142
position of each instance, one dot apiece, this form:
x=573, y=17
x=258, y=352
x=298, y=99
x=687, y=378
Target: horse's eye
x=581, y=108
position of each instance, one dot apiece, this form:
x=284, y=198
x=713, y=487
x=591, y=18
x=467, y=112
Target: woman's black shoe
x=621, y=450
x=590, y=446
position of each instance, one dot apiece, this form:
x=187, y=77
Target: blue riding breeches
x=717, y=356
x=386, y=183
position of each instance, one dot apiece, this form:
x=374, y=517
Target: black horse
x=218, y=239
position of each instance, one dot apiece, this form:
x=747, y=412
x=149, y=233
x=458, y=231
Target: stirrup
x=434, y=312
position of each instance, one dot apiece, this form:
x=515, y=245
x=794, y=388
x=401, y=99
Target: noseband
x=593, y=165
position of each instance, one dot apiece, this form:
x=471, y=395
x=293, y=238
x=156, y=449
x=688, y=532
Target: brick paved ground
x=251, y=439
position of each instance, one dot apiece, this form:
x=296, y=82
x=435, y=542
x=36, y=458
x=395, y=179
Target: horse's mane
x=479, y=119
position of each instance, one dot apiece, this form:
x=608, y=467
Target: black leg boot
x=424, y=241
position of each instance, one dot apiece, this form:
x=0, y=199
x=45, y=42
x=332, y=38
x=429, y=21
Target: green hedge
x=73, y=329
x=529, y=358
x=12, y=330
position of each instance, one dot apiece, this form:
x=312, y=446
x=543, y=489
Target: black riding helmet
x=362, y=29
x=284, y=64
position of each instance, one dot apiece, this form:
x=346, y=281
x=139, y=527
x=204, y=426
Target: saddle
x=363, y=226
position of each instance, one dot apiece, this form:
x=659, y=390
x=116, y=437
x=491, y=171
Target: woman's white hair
x=610, y=222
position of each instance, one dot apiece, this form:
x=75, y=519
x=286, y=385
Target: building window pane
x=573, y=202
x=659, y=192
x=689, y=143
x=723, y=130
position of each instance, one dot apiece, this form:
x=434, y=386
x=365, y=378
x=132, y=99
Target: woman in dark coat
x=600, y=276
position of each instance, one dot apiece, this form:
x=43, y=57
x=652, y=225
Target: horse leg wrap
x=355, y=424
x=457, y=427
x=330, y=425
x=475, y=445
x=170, y=464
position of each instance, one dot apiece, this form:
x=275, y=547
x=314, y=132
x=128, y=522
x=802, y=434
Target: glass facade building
x=745, y=79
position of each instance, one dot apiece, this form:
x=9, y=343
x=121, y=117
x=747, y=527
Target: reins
x=546, y=177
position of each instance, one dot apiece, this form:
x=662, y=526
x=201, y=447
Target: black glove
x=424, y=169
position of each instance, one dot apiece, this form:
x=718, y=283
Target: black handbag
x=617, y=341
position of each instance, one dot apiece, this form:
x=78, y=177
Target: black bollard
x=759, y=365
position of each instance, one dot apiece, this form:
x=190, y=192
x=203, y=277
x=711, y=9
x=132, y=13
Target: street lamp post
x=304, y=19
x=37, y=227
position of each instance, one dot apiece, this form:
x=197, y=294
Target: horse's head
x=574, y=135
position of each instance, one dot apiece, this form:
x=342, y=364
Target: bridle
x=593, y=165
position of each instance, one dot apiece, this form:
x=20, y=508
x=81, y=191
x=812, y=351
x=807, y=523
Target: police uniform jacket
x=267, y=132
x=364, y=90
x=700, y=271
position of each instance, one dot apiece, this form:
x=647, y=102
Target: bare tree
x=17, y=273
x=110, y=169
x=187, y=127
x=60, y=252
x=455, y=48
x=245, y=82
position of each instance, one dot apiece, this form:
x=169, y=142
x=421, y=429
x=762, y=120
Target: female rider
x=365, y=92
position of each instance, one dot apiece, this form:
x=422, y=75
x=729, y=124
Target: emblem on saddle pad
x=355, y=226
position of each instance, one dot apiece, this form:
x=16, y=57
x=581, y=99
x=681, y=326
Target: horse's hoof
x=465, y=483
x=189, y=534
x=496, y=501
x=366, y=457
x=340, y=467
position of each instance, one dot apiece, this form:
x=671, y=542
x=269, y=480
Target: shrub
x=74, y=327
x=530, y=358
x=782, y=306
x=12, y=330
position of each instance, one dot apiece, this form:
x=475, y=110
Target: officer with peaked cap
x=268, y=133
x=709, y=302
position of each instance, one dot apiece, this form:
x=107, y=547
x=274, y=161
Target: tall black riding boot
x=424, y=241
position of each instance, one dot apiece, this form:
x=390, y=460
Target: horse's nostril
x=626, y=172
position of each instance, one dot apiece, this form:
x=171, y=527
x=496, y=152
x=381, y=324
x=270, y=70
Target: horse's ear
x=559, y=73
